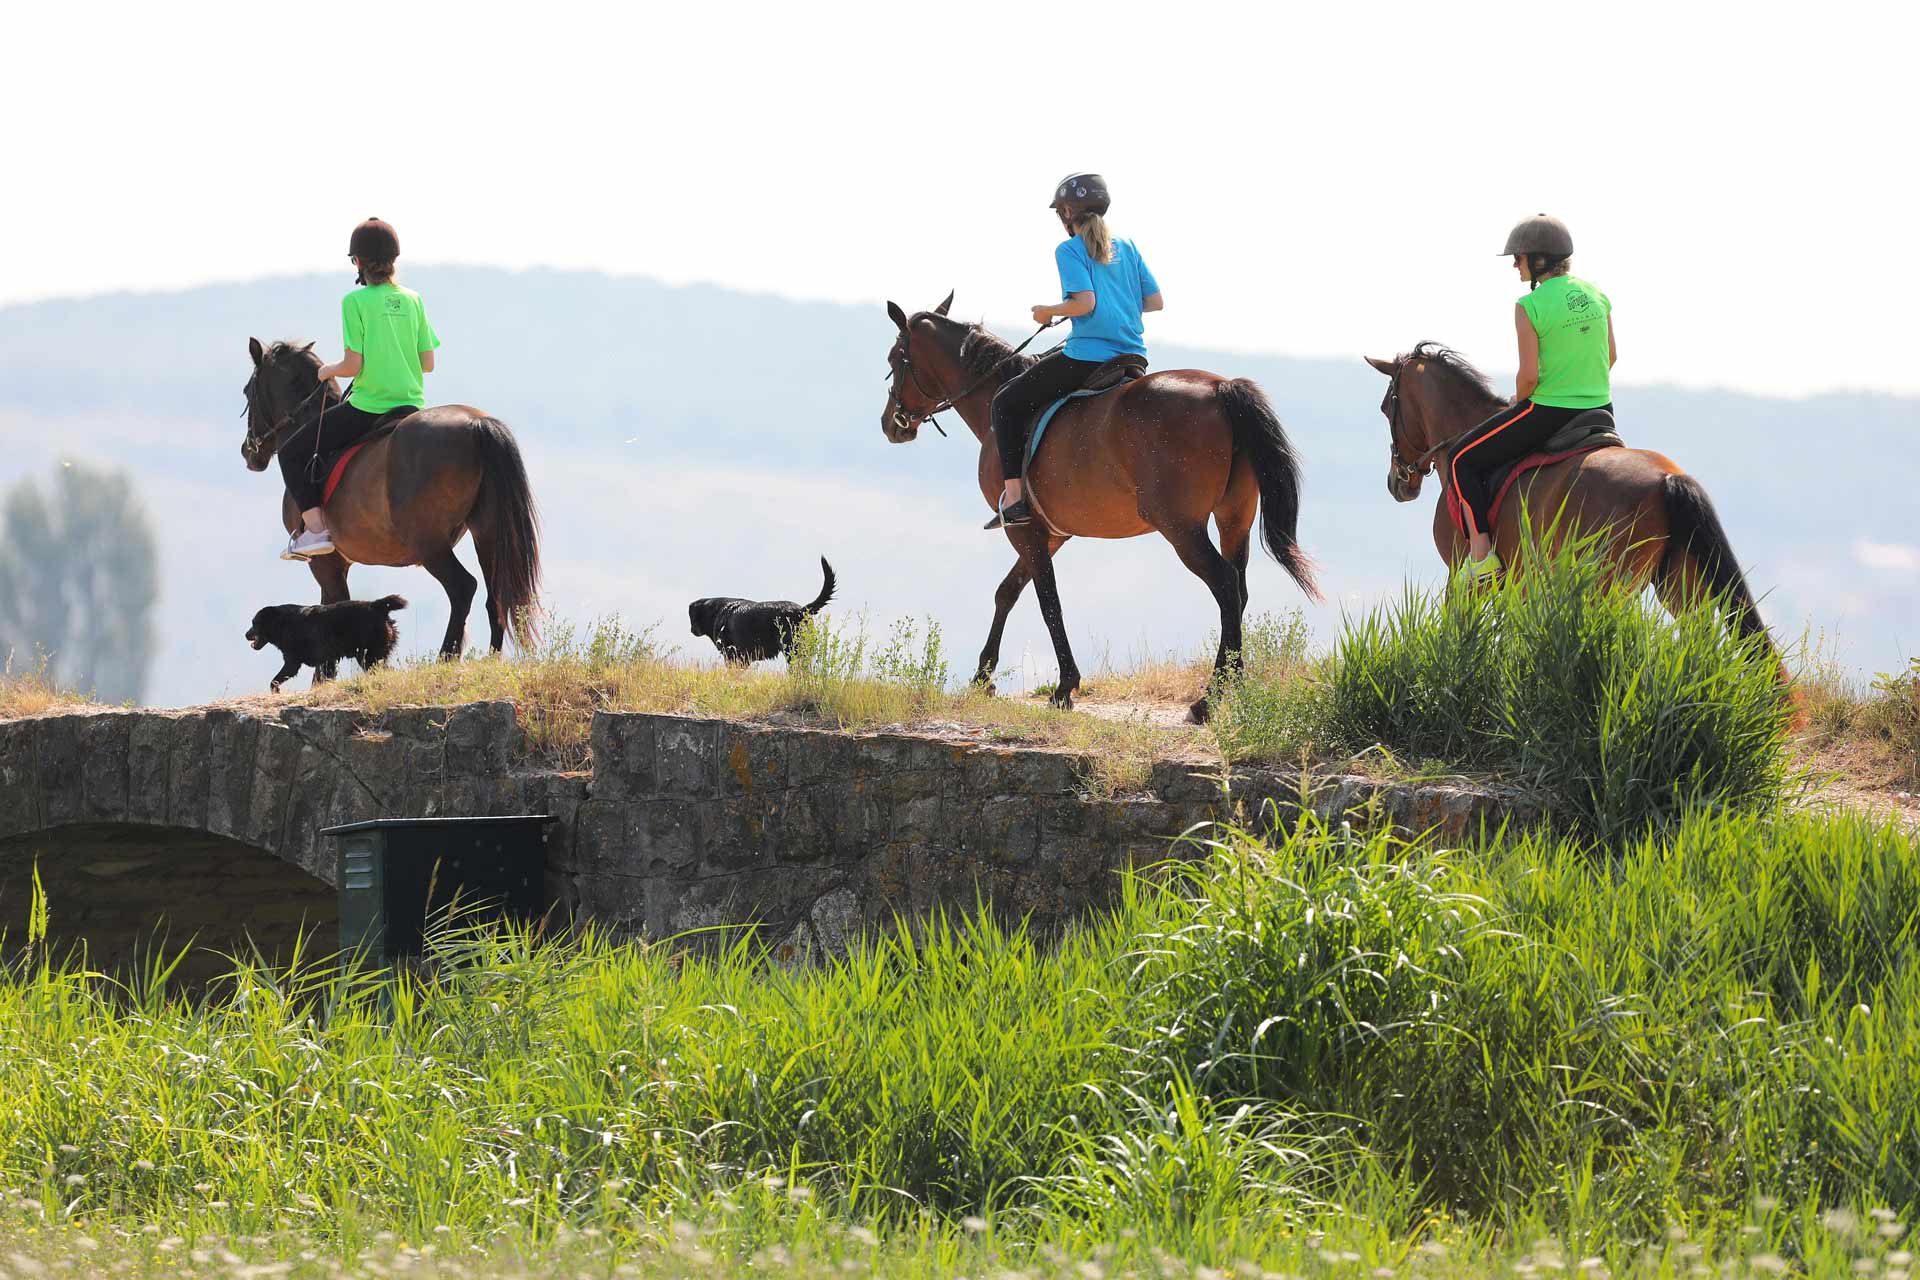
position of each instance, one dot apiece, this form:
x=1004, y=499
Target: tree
x=79, y=576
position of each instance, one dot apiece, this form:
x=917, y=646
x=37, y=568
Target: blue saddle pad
x=1040, y=427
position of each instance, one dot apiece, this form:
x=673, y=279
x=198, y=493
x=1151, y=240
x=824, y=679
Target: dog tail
x=826, y=589
x=390, y=603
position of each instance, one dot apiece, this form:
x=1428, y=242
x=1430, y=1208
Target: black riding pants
x=1516, y=431
x=300, y=455
x=1018, y=404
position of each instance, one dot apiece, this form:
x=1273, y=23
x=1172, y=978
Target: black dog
x=752, y=630
x=319, y=635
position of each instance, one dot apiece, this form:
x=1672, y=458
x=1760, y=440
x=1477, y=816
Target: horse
x=1656, y=523
x=408, y=496
x=1161, y=453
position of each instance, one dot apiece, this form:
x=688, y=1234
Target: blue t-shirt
x=1113, y=327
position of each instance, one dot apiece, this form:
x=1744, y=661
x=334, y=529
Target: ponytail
x=1093, y=233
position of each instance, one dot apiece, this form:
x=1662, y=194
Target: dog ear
x=899, y=316
x=945, y=303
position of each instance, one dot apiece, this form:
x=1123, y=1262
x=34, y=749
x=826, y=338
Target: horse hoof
x=1062, y=700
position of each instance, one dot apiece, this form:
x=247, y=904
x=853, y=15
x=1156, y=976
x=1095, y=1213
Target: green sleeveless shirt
x=1570, y=317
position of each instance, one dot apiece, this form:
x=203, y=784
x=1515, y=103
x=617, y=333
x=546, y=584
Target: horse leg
x=1234, y=519
x=1036, y=547
x=1004, y=598
x=1197, y=552
x=331, y=573
x=459, y=586
x=496, y=623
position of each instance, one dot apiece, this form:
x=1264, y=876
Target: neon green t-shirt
x=1570, y=317
x=388, y=326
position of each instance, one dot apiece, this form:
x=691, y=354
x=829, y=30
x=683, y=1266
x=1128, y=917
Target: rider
x=1105, y=286
x=390, y=346
x=1565, y=326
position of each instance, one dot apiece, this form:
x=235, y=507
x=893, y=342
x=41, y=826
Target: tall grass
x=1291, y=1053
x=30, y=691
x=1577, y=686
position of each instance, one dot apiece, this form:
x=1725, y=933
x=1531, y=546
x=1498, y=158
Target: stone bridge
x=211, y=817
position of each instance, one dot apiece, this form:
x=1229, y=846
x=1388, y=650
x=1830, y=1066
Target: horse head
x=285, y=381
x=909, y=401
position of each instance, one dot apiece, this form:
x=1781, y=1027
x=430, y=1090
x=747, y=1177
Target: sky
x=1315, y=180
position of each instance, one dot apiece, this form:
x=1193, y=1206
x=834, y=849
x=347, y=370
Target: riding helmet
x=1080, y=193
x=374, y=241
x=1539, y=234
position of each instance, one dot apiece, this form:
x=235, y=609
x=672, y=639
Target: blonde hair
x=1093, y=233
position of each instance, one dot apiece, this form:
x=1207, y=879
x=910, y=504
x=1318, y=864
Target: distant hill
x=691, y=441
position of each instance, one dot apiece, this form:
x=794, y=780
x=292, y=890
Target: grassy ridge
x=1321, y=1044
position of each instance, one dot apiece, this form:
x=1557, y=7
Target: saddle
x=1113, y=373
x=1594, y=429
x=334, y=465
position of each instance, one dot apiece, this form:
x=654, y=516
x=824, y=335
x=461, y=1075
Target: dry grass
x=841, y=683
x=1874, y=725
x=31, y=693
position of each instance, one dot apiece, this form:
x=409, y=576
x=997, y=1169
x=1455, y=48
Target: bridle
x=941, y=405
x=283, y=425
x=1406, y=474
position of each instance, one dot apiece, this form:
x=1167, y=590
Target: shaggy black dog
x=752, y=630
x=319, y=635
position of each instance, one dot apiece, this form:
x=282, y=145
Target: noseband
x=1406, y=473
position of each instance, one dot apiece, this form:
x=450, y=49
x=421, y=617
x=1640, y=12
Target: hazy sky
x=1325, y=179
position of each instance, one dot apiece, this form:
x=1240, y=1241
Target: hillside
x=694, y=441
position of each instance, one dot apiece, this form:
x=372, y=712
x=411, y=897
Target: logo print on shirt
x=1578, y=301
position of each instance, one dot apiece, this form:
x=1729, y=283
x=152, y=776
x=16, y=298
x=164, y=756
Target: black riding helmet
x=1546, y=242
x=1080, y=193
x=373, y=241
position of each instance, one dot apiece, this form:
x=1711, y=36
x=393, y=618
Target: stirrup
x=1013, y=513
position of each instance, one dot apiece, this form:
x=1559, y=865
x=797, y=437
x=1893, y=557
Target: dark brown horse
x=1659, y=525
x=407, y=497
x=1161, y=453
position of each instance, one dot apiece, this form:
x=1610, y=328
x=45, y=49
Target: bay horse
x=408, y=496
x=1659, y=525
x=1161, y=453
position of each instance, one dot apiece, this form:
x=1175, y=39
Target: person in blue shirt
x=1105, y=287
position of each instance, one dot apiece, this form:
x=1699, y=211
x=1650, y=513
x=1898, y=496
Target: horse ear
x=942, y=308
x=899, y=316
x=258, y=352
x=308, y=348
x=1388, y=367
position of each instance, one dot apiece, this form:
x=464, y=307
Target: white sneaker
x=306, y=545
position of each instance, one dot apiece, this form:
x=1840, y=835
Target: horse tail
x=513, y=532
x=826, y=588
x=1694, y=534
x=1258, y=434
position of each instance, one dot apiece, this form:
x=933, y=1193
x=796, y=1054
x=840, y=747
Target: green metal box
x=389, y=867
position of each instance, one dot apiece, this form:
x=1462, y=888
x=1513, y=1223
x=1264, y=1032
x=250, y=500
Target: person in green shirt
x=1567, y=350
x=390, y=349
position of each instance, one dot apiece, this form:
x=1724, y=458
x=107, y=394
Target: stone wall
x=683, y=824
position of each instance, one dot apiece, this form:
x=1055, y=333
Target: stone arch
x=124, y=889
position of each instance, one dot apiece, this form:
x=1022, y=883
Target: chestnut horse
x=1161, y=453
x=1660, y=526
x=409, y=496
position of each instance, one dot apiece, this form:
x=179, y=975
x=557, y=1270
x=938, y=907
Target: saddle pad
x=336, y=464
x=338, y=469
x=1040, y=427
x=1532, y=462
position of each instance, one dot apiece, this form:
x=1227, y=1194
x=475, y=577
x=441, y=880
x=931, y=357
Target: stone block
x=686, y=757
x=1009, y=830
x=58, y=749
x=601, y=844
x=275, y=751
x=103, y=766
x=816, y=756
x=230, y=769
x=617, y=902
x=835, y=917
x=824, y=822
x=19, y=777
x=918, y=809
x=753, y=761
x=623, y=755
x=149, y=754
x=665, y=836
x=481, y=738
x=189, y=764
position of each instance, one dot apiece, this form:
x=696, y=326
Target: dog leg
x=288, y=670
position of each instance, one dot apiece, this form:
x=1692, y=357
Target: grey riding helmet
x=1539, y=234
x=1079, y=193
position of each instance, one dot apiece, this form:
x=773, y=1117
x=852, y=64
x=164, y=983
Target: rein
x=288, y=423
x=942, y=405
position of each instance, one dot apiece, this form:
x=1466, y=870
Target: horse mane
x=1464, y=374
x=982, y=353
